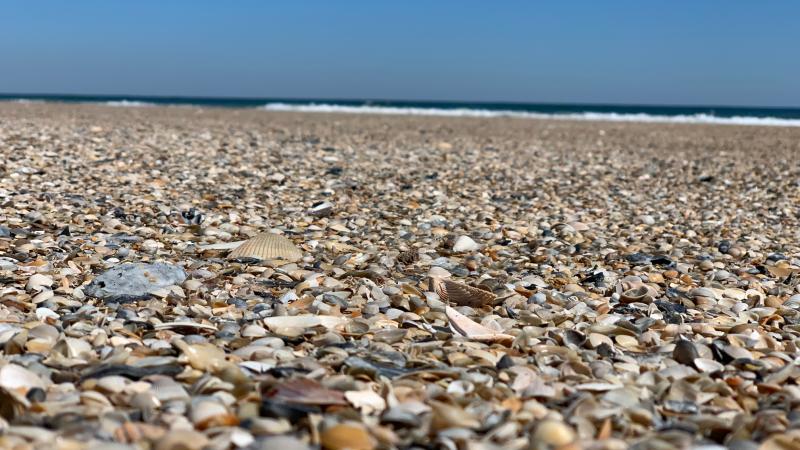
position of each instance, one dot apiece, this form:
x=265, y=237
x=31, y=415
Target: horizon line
x=5, y=95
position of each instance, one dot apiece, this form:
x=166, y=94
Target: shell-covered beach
x=448, y=283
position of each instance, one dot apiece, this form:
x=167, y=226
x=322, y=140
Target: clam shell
x=352, y=436
x=14, y=377
x=267, y=246
x=165, y=389
x=639, y=294
x=451, y=416
x=207, y=413
x=708, y=365
x=461, y=294
x=553, y=433
x=465, y=326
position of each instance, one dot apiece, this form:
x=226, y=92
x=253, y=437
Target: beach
x=462, y=282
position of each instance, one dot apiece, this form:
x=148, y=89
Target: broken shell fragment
x=465, y=326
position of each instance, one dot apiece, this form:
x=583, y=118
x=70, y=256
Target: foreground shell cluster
x=357, y=282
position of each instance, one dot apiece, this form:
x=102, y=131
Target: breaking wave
x=588, y=115
x=128, y=103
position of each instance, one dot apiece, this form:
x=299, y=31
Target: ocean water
x=623, y=113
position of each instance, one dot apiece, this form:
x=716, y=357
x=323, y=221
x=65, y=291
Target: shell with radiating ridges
x=461, y=294
x=267, y=246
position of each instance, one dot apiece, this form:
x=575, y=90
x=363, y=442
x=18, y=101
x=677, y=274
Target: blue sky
x=643, y=52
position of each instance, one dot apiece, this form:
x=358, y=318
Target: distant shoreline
x=725, y=115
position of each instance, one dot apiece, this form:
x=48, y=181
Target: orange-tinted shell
x=461, y=294
x=267, y=246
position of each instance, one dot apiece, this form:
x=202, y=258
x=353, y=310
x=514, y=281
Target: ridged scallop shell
x=267, y=246
x=461, y=294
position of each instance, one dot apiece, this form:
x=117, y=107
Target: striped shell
x=267, y=246
x=461, y=294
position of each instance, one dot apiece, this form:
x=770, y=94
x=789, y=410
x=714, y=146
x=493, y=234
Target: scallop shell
x=267, y=246
x=461, y=294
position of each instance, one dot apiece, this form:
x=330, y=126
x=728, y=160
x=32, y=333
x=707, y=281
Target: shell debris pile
x=182, y=278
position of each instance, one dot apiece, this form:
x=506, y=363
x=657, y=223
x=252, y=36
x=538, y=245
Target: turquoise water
x=646, y=113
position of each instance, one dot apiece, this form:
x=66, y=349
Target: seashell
x=132, y=432
x=73, y=347
x=192, y=284
x=202, y=356
x=579, y=226
x=303, y=391
x=94, y=398
x=573, y=337
x=781, y=269
x=408, y=257
x=685, y=352
x=321, y=209
x=253, y=331
x=451, y=416
x=366, y=401
x=43, y=296
x=552, y=433
x=708, y=365
x=165, y=389
x=304, y=321
x=356, y=327
x=46, y=313
x=222, y=246
x=192, y=216
x=267, y=246
x=465, y=244
x=39, y=345
x=145, y=401
x=461, y=294
x=37, y=282
x=793, y=302
x=185, y=326
x=460, y=388
x=438, y=272
x=639, y=294
x=465, y=326
x=112, y=384
x=347, y=436
x=182, y=440
x=209, y=413
x=628, y=283
x=18, y=378
x=702, y=292
x=45, y=332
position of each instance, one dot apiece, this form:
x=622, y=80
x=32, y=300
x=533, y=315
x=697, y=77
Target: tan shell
x=639, y=294
x=267, y=246
x=461, y=294
x=465, y=326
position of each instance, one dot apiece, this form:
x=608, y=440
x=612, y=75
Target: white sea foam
x=26, y=101
x=128, y=103
x=594, y=116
